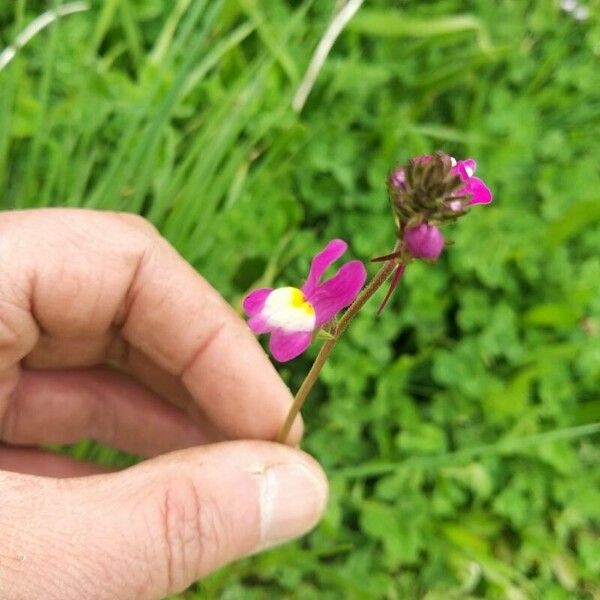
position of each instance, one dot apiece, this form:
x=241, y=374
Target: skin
x=106, y=333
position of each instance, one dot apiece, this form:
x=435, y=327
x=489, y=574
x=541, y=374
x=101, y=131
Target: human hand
x=81, y=289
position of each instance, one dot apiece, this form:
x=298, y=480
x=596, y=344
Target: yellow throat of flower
x=298, y=300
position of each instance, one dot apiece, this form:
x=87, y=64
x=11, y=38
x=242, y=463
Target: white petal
x=287, y=308
x=469, y=171
x=453, y=161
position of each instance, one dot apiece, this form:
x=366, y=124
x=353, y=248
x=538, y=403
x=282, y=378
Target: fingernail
x=293, y=498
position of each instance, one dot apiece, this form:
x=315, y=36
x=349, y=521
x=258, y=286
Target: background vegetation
x=459, y=429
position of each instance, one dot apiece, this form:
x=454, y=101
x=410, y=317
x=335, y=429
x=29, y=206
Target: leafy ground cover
x=460, y=428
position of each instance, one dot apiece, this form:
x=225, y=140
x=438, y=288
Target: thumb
x=153, y=529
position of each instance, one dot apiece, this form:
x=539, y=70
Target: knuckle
x=138, y=223
x=190, y=531
x=18, y=330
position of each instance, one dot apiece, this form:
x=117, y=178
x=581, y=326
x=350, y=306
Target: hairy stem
x=312, y=376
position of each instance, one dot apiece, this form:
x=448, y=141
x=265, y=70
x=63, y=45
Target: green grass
x=460, y=428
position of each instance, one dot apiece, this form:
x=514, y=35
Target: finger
x=161, y=382
x=170, y=387
x=114, y=269
x=53, y=352
x=150, y=531
x=61, y=407
x=35, y=462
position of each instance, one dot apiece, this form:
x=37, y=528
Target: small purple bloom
x=292, y=315
x=474, y=187
x=424, y=241
x=397, y=178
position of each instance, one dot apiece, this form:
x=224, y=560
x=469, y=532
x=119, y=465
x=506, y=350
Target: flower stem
x=312, y=376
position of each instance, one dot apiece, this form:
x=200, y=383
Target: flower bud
x=397, y=179
x=424, y=241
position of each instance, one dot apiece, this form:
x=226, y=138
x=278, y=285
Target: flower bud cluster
x=430, y=191
x=425, y=189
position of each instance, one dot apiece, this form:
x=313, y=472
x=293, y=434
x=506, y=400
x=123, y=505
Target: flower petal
x=284, y=345
x=255, y=300
x=320, y=262
x=481, y=194
x=397, y=178
x=470, y=166
x=424, y=241
x=339, y=291
x=287, y=308
x=259, y=324
x=465, y=168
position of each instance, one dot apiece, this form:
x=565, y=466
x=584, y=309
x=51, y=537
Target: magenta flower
x=424, y=241
x=474, y=187
x=292, y=315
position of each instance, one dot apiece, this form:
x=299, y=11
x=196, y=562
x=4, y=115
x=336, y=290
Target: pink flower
x=474, y=187
x=424, y=241
x=292, y=315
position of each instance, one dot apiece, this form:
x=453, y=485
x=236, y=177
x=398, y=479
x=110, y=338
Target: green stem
x=312, y=376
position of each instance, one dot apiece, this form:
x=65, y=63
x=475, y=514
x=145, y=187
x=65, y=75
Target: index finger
x=78, y=274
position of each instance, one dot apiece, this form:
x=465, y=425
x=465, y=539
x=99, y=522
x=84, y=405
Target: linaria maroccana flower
x=291, y=315
x=474, y=187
